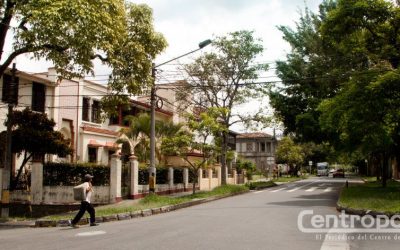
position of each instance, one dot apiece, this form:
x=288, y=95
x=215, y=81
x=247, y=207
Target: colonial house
x=259, y=148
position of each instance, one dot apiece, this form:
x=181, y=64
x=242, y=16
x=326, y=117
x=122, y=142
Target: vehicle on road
x=338, y=173
x=322, y=169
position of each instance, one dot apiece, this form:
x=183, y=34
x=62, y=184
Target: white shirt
x=88, y=194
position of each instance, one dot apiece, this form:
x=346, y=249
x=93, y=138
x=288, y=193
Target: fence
x=122, y=181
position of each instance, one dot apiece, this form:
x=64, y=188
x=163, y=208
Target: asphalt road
x=266, y=219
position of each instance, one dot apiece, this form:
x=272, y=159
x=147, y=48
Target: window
x=92, y=154
x=262, y=147
x=269, y=147
x=38, y=97
x=249, y=146
x=96, y=111
x=85, y=108
x=8, y=90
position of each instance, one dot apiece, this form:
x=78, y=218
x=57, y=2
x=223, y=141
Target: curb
x=364, y=212
x=134, y=214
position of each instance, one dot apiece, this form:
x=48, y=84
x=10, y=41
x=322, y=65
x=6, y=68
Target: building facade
x=259, y=148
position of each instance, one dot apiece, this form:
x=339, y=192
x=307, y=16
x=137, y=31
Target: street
x=266, y=219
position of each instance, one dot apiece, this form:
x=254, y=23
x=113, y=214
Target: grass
x=289, y=179
x=372, y=196
x=156, y=201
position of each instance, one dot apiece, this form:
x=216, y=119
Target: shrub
x=71, y=174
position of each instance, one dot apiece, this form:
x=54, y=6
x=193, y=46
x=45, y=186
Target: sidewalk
x=12, y=223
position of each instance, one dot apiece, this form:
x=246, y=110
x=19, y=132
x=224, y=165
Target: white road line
x=297, y=188
x=321, y=185
x=92, y=233
x=277, y=190
x=331, y=242
x=257, y=192
x=311, y=189
x=328, y=189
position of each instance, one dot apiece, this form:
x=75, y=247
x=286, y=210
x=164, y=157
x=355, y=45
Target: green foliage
x=257, y=185
x=68, y=174
x=247, y=165
x=185, y=142
x=33, y=134
x=289, y=152
x=72, y=33
x=370, y=196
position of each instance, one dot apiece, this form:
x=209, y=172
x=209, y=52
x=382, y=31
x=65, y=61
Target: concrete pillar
x=171, y=178
x=134, y=163
x=115, y=179
x=210, y=176
x=37, y=182
x=200, y=177
x=185, y=178
x=234, y=175
x=219, y=173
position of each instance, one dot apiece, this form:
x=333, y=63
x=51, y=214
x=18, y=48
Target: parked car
x=338, y=173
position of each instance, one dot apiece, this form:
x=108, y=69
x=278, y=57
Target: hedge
x=68, y=174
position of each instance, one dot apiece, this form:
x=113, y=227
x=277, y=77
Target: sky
x=185, y=23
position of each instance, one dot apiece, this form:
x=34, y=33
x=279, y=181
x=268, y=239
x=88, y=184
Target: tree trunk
x=15, y=180
x=385, y=169
x=195, y=181
x=223, y=157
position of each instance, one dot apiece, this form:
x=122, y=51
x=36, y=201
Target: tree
x=290, y=153
x=195, y=138
x=224, y=79
x=71, y=33
x=33, y=135
x=138, y=135
x=363, y=115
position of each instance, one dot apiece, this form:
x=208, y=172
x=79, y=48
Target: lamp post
x=152, y=168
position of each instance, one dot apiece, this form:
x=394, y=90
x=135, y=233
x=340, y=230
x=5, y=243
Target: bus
x=322, y=169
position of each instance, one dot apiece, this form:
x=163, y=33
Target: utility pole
x=152, y=122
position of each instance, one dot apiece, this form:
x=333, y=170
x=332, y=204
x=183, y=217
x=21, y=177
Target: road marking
x=257, y=192
x=295, y=189
x=321, y=185
x=331, y=242
x=93, y=233
x=311, y=189
x=328, y=189
x=277, y=190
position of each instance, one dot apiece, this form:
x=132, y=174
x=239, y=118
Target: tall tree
x=71, y=33
x=224, y=79
x=33, y=134
x=364, y=113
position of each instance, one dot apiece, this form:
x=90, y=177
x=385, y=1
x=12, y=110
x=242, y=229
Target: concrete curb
x=135, y=214
x=363, y=212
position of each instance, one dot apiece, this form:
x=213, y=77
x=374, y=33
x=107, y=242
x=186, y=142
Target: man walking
x=85, y=203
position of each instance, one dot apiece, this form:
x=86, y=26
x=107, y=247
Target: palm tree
x=138, y=134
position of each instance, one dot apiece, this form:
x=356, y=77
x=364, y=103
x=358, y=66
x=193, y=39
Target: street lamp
x=152, y=104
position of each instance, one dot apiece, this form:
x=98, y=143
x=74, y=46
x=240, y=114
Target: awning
x=111, y=145
x=94, y=144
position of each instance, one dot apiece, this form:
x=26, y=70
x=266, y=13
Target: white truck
x=322, y=169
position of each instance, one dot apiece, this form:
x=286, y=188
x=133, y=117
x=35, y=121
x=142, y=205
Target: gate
x=125, y=180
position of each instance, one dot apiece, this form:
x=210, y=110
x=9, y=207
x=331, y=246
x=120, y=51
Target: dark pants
x=85, y=206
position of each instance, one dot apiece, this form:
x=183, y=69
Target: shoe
x=74, y=225
x=94, y=224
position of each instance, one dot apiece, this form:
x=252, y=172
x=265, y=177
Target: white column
x=210, y=176
x=115, y=179
x=186, y=178
x=37, y=182
x=134, y=176
x=234, y=174
x=219, y=173
x=171, y=178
